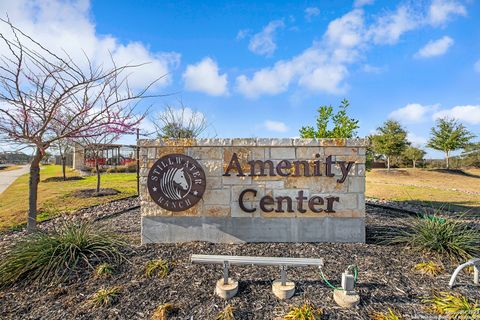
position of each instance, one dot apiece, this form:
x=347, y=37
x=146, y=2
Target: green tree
x=343, y=125
x=390, y=141
x=449, y=135
x=414, y=154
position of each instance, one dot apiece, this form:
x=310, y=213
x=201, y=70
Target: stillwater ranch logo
x=176, y=182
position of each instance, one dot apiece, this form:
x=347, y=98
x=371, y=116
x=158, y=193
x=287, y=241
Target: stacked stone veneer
x=218, y=216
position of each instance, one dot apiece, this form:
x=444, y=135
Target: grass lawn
x=427, y=186
x=56, y=197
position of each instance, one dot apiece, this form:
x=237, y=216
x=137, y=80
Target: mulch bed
x=89, y=193
x=60, y=179
x=385, y=280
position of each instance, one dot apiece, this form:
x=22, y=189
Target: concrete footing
x=226, y=291
x=167, y=229
x=283, y=292
x=346, y=299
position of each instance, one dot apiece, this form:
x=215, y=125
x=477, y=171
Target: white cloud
x=435, y=47
x=320, y=68
x=440, y=11
x=204, y=77
x=476, y=66
x=346, y=31
x=388, y=28
x=412, y=113
x=372, y=69
x=67, y=25
x=242, y=34
x=469, y=114
x=323, y=67
x=276, y=126
x=416, y=140
x=263, y=43
x=361, y=3
x=311, y=12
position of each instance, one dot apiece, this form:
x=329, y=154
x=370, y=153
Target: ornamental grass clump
x=226, y=313
x=445, y=236
x=454, y=306
x=430, y=268
x=304, y=312
x=391, y=314
x=103, y=270
x=104, y=297
x=163, y=311
x=50, y=256
x=159, y=266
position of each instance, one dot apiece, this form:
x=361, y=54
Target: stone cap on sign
x=255, y=142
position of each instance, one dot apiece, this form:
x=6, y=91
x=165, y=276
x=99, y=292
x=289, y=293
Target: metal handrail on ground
x=227, y=260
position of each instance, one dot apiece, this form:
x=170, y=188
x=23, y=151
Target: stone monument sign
x=253, y=190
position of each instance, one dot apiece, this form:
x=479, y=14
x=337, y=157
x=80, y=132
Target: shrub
x=453, y=305
x=50, y=256
x=389, y=315
x=226, y=313
x=160, y=267
x=163, y=311
x=104, y=297
x=122, y=169
x=445, y=236
x=430, y=268
x=103, y=270
x=111, y=170
x=304, y=312
x=132, y=167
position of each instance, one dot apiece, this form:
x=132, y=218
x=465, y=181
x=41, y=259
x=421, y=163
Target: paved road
x=7, y=177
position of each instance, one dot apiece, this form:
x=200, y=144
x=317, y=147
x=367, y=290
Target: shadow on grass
x=459, y=172
x=428, y=207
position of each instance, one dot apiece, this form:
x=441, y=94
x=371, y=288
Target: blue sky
x=261, y=69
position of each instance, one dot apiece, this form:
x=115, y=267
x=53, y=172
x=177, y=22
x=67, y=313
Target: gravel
x=385, y=279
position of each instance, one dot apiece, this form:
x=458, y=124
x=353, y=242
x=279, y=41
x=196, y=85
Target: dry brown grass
x=427, y=186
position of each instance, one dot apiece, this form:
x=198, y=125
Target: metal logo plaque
x=176, y=182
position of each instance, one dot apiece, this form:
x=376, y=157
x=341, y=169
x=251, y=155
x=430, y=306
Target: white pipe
x=475, y=262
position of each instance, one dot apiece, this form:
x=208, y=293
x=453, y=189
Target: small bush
x=160, y=267
x=226, y=313
x=453, y=305
x=51, y=256
x=110, y=170
x=104, y=297
x=444, y=236
x=304, y=312
x=122, y=169
x=103, y=270
x=389, y=315
x=430, y=268
x=132, y=167
x=163, y=311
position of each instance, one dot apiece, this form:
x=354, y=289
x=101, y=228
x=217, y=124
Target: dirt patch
x=394, y=172
x=60, y=179
x=88, y=193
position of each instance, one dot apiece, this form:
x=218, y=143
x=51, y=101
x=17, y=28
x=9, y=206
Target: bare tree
x=40, y=91
x=181, y=123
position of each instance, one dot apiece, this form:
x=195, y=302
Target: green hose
x=350, y=267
